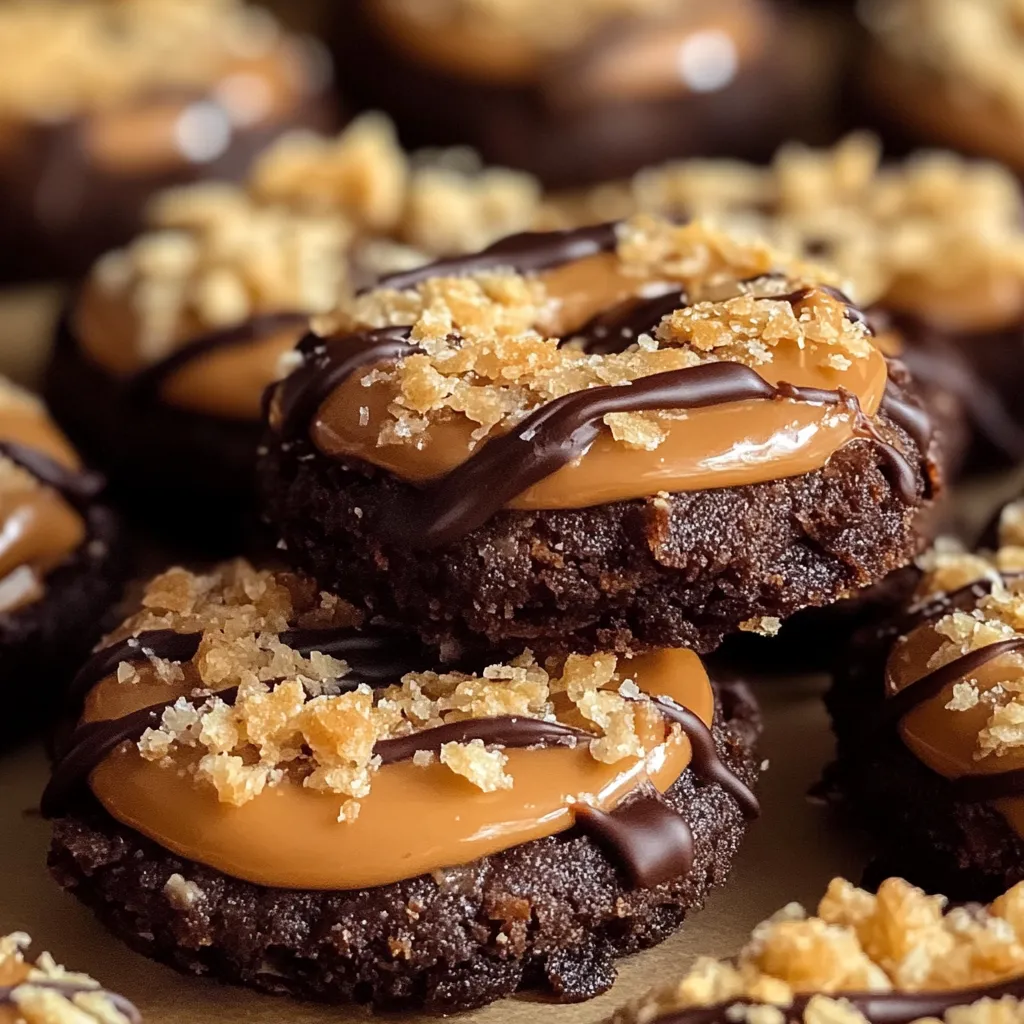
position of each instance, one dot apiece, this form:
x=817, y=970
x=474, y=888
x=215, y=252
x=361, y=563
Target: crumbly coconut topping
x=546, y=26
x=979, y=43
x=994, y=617
x=489, y=354
x=900, y=941
x=36, y=999
x=314, y=208
x=65, y=57
x=899, y=234
x=294, y=717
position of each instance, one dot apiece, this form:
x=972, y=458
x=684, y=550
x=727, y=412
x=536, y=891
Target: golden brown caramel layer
x=289, y=836
x=40, y=529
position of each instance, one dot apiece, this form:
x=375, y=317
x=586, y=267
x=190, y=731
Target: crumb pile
x=65, y=57
x=45, y=993
x=489, y=354
x=217, y=254
x=901, y=942
x=295, y=717
x=899, y=234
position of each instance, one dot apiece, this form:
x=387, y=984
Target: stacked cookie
x=465, y=743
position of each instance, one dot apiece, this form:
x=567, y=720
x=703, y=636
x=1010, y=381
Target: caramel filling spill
x=39, y=528
x=720, y=446
x=945, y=740
x=416, y=819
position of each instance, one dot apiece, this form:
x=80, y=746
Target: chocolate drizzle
x=329, y=362
x=70, y=989
x=877, y=1007
x=145, y=384
x=561, y=431
x=373, y=655
x=78, y=487
x=971, y=788
x=652, y=842
x=619, y=327
x=526, y=253
x=649, y=839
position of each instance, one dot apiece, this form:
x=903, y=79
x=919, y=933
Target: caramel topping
x=316, y=213
x=485, y=361
x=955, y=681
x=45, y=993
x=936, y=236
x=891, y=958
x=294, y=836
x=40, y=527
x=290, y=774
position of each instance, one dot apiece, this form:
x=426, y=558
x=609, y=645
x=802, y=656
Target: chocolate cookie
x=623, y=437
x=621, y=790
x=162, y=359
x=925, y=713
x=43, y=992
x=893, y=958
x=932, y=247
x=946, y=73
x=586, y=91
x=60, y=560
x=100, y=111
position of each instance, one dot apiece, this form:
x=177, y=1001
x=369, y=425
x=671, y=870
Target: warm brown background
x=790, y=854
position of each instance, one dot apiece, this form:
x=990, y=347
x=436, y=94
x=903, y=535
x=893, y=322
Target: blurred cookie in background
x=947, y=72
x=583, y=90
x=163, y=357
x=932, y=247
x=103, y=102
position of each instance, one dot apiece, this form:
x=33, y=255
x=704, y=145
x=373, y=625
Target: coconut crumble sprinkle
x=43, y=992
x=901, y=234
x=900, y=941
x=295, y=717
x=490, y=351
x=316, y=214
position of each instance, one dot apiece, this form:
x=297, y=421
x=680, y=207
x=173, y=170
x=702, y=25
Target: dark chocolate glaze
x=327, y=363
x=619, y=327
x=877, y=1007
x=933, y=684
x=526, y=253
x=561, y=431
x=706, y=763
x=79, y=487
x=71, y=989
x=652, y=842
x=372, y=654
x=145, y=385
x=509, y=731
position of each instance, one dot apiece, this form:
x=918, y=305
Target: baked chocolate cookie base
x=43, y=644
x=965, y=849
x=675, y=570
x=552, y=914
x=188, y=475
